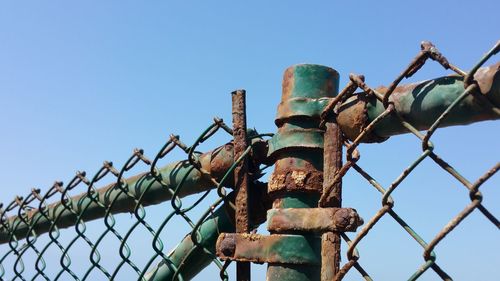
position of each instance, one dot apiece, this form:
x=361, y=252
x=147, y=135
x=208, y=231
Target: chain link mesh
x=33, y=208
x=27, y=257
x=428, y=51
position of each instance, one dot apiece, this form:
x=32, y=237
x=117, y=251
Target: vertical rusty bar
x=241, y=175
x=330, y=241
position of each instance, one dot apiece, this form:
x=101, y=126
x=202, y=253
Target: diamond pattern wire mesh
x=27, y=257
x=35, y=208
x=428, y=52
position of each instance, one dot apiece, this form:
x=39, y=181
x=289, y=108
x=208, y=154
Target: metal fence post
x=293, y=250
x=297, y=180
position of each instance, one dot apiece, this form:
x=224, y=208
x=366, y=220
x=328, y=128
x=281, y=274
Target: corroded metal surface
x=241, y=175
x=332, y=163
x=272, y=249
x=305, y=178
x=297, y=180
x=421, y=104
x=313, y=219
x=304, y=87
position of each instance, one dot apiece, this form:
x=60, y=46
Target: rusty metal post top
x=305, y=87
x=309, y=81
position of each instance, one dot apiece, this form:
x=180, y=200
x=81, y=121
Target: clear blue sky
x=85, y=82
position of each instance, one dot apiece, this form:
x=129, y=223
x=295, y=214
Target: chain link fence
x=26, y=219
x=36, y=245
x=383, y=95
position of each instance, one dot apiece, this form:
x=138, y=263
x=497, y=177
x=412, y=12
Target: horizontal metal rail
x=421, y=103
x=94, y=205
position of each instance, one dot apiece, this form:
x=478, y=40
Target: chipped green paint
x=421, y=103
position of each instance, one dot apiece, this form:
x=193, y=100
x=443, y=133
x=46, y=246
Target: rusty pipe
x=422, y=103
x=83, y=207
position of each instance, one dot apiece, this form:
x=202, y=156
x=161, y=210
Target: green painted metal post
x=297, y=150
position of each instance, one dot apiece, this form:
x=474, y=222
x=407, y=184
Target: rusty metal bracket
x=273, y=249
x=313, y=219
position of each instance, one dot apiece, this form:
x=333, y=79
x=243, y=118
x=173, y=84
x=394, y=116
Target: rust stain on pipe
x=421, y=103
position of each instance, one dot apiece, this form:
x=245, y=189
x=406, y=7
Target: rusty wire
x=428, y=50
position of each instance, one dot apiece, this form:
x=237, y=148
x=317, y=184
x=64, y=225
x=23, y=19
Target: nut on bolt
x=347, y=218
